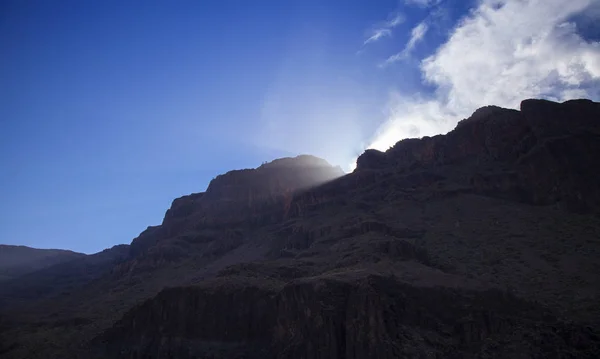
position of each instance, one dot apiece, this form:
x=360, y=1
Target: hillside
x=19, y=260
x=481, y=243
x=60, y=278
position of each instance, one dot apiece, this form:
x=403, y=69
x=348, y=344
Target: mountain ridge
x=458, y=217
x=17, y=260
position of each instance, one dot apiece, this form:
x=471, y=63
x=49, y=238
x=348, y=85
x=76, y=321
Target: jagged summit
x=279, y=177
x=544, y=153
x=301, y=161
x=484, y=113
x=241, y=197
x=491, y=132
x=275, y=177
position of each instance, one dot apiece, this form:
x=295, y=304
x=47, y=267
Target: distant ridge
x=19, y=260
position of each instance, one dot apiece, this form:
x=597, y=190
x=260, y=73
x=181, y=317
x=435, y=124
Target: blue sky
x=111, y=109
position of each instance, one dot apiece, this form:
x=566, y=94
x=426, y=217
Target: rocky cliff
x=481, y=243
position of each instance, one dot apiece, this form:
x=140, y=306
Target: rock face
x=194, y=321
x=482, y=243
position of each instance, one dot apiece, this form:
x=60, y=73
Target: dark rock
x=272, y=179
x=183, y=206
x=543, y=154
x=337, y=317
x=146, y=240
x=226, y=320
x=372, y=159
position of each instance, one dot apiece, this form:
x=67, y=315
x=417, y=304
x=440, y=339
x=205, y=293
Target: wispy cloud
x=501, y=53
x=422, y=3
x=416, y=35
x=395, y=20
x=378, y=34
x=385, y=28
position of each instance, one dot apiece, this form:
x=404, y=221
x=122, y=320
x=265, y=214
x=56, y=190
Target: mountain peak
x=272, y=178
x=491, y=133
x=257, y=195
x=301, y=161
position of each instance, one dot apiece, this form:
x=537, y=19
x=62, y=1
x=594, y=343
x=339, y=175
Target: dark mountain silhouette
x=482, y=243
x=60, y=278
x=19, y=260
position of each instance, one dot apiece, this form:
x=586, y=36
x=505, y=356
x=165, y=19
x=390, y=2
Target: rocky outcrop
x=147, y=239
x=183, y=206
x=372, y=159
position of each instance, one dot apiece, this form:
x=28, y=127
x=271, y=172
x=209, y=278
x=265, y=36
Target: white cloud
x=395, y=20
x=378, y=34
x=422, y=3
x=416, y=35
x=385, y=28
x=503, y=52
x=410, y=118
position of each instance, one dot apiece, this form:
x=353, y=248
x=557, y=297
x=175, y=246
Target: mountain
x=60, y=278
x=481, y=243
x=19, y=260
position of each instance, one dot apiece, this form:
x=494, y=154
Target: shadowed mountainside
x=481, y=243
x=19, y=260
x=61, y=278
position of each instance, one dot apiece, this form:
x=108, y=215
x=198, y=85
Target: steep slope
x=200, y=234
x=480, y=243
x=19, y=260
